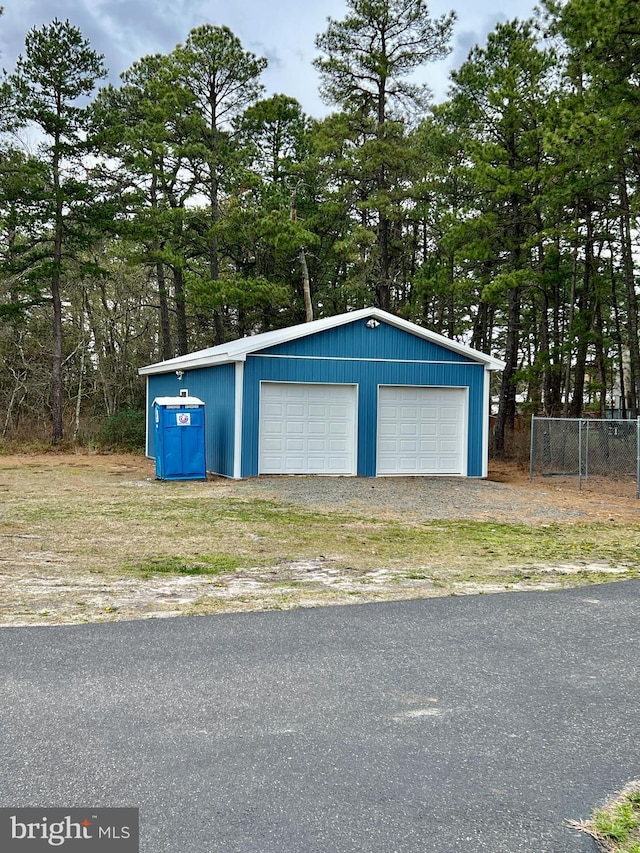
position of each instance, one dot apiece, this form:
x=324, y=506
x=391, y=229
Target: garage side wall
x=366, y=359
x=215, y=386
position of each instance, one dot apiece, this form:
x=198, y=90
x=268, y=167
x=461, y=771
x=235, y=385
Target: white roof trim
x=239, y=349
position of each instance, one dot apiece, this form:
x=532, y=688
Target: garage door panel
x=436, y=419
x=387, y=429
x=273, y=446
x=316, y=464
x=408, y=428
x=428, y=447
x=429, y=413
x=448, y=414
x=429, y=430
x=338, y=429
x=317, y=410
x=319, y=422
x=337, y=412
x=449, y=447
x=317, y=428
x=274, y=410
x=449, y=428
x=295, y=410
x=337, y=464
x=386, y=411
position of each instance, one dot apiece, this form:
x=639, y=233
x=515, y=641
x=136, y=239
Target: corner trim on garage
x=238, y=408
x=147, y=449
x=486, y=417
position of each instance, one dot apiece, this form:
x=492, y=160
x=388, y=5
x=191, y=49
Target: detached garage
x=364, y=393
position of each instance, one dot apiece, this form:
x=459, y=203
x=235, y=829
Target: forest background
x=182, y=208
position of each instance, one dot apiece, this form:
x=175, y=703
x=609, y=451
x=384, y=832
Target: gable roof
x=239, y=349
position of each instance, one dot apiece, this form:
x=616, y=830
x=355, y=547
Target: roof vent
x=184, y=392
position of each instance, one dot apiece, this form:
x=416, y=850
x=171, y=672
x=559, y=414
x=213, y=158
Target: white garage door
x=307, y=428
x=421, y=430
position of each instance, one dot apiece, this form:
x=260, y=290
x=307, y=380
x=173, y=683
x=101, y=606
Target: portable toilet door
x=179, y=438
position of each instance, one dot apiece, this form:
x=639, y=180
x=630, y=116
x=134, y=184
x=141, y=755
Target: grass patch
x=616, y=826
x=171, y=565
x=70, y=518
x=152, y=527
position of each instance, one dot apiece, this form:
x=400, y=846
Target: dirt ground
x=596, y=498
x=43, y=581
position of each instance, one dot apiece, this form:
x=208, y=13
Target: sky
x=283, y=31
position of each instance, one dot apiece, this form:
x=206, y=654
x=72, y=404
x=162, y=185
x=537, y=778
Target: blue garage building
x=363, y=393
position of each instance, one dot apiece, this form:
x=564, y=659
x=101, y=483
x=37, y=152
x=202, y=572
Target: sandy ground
x=37, y=587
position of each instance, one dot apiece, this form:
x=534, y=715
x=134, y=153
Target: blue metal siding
x=355, y=340
x=215, y=386
x=367, y=375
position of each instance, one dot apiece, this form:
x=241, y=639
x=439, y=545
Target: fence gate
x=585, y=447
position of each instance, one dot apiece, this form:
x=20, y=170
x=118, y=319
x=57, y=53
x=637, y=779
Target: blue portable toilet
x=180, y=438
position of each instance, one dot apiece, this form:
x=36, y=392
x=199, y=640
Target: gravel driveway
x=442, y=498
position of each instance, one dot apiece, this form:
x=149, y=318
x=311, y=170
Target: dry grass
x=90, y=537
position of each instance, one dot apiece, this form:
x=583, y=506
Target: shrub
x=123, y=431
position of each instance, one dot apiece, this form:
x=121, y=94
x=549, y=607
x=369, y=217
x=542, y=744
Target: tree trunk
x=584, y=323
x=571, y=333
x=306, y=287
x=181, y=312
x=165, y=328
x=56, y=299
x=383, y=285
x=621, y=403
x=83, y=351
x=601, y=365
x=163, y=298
x=383, y=282
x=506, y=406
x=633, y=390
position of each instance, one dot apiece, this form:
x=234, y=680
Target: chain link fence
x=585, y=447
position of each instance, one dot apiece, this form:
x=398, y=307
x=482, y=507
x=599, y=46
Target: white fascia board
x=186, y=362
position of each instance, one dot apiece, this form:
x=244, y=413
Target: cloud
x=284, y=31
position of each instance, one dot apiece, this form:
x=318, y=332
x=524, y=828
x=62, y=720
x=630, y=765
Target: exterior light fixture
x=372, y=323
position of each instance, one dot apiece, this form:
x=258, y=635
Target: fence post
x=580, y=454
x=638, y=459
x=586, y=453
x=533, y=426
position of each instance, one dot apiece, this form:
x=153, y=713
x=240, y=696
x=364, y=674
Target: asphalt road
x=478, y=723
